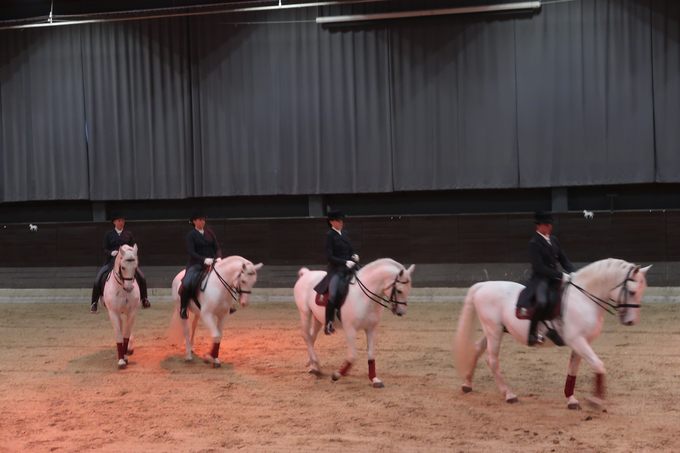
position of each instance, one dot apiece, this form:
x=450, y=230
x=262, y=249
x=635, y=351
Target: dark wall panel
x=584, y=94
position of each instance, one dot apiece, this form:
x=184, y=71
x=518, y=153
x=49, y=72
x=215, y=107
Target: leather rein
x=380, y=300
x=606, y=305
x=234, y=290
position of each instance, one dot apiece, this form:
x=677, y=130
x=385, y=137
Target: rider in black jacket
x=113, y=240
x=341, y=259
x=203, y=252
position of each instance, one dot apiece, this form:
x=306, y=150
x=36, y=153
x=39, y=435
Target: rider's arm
x=564, y=261
x=537, y=262
x=329, y=251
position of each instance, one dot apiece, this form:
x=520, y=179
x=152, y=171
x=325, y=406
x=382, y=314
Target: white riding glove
x=208, y=261
x=350, y=264
x=567, y=277
x=217, y=260
x=355, y=258
x=114, y=253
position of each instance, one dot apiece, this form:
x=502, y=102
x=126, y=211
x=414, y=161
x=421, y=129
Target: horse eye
x=632, y=293
x=398, y=291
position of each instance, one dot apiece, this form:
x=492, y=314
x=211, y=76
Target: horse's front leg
x=187, y=338
x=117, y=322
x=309, y=334
x=370, y=342
x=194, y=325
x=493, y=348
x=351, y=337
x=216, y=332
x=582, y=348
x=574, y=363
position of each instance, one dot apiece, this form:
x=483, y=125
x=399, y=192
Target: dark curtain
x=454, y=105
x=666, y=51
x=289, y=108
x=43, y=152
x=137, y=97
x=584, y=94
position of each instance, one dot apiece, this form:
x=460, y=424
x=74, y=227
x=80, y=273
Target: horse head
x=245, y=281
x=398, y=290
x=628, y=295
x=126, y=266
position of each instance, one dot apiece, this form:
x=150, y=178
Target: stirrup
x=328, y=329
x=93, y=308
x=146, y=303
x=183, y=313
x=535, y=339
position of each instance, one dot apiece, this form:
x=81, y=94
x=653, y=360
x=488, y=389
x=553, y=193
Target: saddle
x=322, y=299
x=195, y=286
x=554, y=305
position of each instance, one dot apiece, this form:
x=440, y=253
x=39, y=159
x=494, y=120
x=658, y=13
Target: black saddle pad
x=525, y=308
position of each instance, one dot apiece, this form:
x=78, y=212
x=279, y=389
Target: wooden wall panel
x=483, y=239
x=586, y=240
x=639, y=237
x=434, y=239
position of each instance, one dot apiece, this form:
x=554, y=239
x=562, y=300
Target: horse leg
x=216, y=336
x=493, y=347
x=582, y=348
x=130, y=322
x=309, y=334
x=574, y=363
x=187, y=338
x=370, y=341
x=194, y=325
x=480, y=347
x=350, y=336
x=117, y=326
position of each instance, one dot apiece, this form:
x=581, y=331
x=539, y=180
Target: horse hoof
x=377, y=384
x=121, y=366
x=574, y=406
x=512, y=400
x=316, y=373
x=216, y=365
x=466, y=388
x=596, y=403
x=188, y=360
x=336, y=375
x=126, y=360
x=130, y=351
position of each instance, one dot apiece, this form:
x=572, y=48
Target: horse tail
x=465, y=335
x=302, y=272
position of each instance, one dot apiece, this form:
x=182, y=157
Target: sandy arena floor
x=60, y=389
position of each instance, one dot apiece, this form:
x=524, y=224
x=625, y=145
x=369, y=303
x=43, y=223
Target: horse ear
x=409, y=271
x=244, y=266
x=645, y=269
x=258, y=266
x=134, y=249
x=401, y=272
x=635, y=271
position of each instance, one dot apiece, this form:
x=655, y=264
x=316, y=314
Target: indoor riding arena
x=488, y=143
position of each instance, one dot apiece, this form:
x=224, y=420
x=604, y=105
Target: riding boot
x=143, y=293
x=330, y=312
x=184, y=303
x=95, y=299
x=535, y=339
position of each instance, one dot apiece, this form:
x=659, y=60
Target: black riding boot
x=185, y=297
x=535, y=339
x=330, y=316
x=96, y=292
x=143, y=293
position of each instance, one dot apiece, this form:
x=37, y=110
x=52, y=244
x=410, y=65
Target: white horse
x=587, y=297
x=231, y=279
x=363, y=309
x=121, y=297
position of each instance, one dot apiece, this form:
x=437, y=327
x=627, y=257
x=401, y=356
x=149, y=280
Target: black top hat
x=335, y=214
x=117, y=215
x=543, y=218
x=197, y=215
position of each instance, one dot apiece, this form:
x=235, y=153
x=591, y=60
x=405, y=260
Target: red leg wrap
x=569, y=386
x=345, y=368
x=215, y=350
x=599, y=385
x=126, y=342
x=121, y=351
x=371, y=369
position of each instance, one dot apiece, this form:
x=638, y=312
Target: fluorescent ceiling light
x=432, y=12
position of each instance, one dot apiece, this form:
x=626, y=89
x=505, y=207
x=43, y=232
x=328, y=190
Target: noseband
x=119, y=275
x=606, y=305
x=234, y=290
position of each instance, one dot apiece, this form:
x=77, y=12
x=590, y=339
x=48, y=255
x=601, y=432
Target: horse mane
x=231, y=258
x=370, y=266
x=600, y=269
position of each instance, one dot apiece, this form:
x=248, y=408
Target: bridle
x=606, y=305
x=380, y=300
x=234, y=290
x=119, y=275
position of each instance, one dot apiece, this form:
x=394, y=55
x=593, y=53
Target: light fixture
x=432, y=12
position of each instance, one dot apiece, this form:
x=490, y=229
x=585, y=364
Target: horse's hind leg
x=194, y=325
x=582, y=348
x=216, y=332
x=480, y=347
x=117, y=322
x=370, y=341
x=574, y=362
x=310, y=329
x=493, y=348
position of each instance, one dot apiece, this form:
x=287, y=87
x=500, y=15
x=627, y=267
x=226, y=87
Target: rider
x=203, y=251
x=545, y=253
x=341, y=260
x=113, y=240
